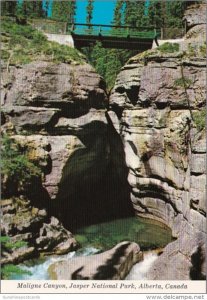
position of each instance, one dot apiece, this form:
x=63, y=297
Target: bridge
x=111, y=36
x=121, y=37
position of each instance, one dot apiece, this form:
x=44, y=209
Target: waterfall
x=139, y=270
x=38, y=268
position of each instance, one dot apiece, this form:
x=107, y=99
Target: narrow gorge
x=136, y=154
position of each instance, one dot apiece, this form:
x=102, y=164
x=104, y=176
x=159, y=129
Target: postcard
x=103, y=155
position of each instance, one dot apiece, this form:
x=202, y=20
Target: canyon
x=140, y=151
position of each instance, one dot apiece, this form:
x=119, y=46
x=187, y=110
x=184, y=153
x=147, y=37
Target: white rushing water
x=38, y=268
x=139, y=270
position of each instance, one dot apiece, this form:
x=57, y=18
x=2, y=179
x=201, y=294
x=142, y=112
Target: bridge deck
x=122, y=37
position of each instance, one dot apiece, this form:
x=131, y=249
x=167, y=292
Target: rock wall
x=195, y=15
x=142, y=151
x=157, y=99
x=57, y=114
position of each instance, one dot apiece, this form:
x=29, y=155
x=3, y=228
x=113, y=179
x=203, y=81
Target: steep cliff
x=142, y=151
x=55, y=111
x=159, y=101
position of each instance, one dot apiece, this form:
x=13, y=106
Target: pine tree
x=8, y=8
x=89, y=11
x=31, y=9
x=134, y=13
x=64, y=11
x=72, y=11
x=117, y=19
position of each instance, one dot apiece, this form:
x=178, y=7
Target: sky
x=102, y=14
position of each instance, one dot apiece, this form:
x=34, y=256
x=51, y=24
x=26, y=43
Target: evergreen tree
x=89, y=11
x=134, y=12
x=30, y=9
x=63, y=11
x=8, y=8
x=117, y=20
x=108, y=62
x=174, y=13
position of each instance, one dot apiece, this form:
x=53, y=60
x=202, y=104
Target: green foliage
x=8, y=7
x=26, y=9
x=182, y=82
x=89, y=11
x=199, y=119
x=32, y=9
x=62, y=53
x=160, y=13
x=191, y=51
x=118, y=13
x=196, y=51
x=168, y=47
x=16, y=165
x=10, y=270
x=63, y=11
x=35, y=46
x=107, y=62
x=7, y=244
x=81, y=239
x=203, y=50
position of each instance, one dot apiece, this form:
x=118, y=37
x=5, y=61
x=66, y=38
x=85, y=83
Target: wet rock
x=177, y=259
x=18, y=255
x=112, y=264
x=54, y=238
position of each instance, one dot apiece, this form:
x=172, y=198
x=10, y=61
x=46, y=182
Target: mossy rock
x=23, y=44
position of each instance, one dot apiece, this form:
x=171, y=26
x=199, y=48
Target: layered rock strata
x=159, y=99
x=56, y=113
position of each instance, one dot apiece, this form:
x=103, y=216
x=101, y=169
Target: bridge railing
x=58, y=27
x=49, y=26
x=112, y=30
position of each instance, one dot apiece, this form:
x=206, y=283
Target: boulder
x=22, y=221
x=183, y=259
x=109, y=265
x=53, y=237
x=22, y=218
x=18, y=255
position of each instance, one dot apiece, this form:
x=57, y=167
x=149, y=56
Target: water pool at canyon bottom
x=100, y=237
x=149, y=234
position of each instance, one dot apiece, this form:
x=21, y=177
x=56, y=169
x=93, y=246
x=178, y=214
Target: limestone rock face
x=159, y=137
x=47, y=84
x=53, y=237
x=112, y=264
x=175, y=262
x=157, y=117
x=51, y=110
x=18, y=255
x=23, y=222
x=142, y=151
x=57, y=114
x=195, y=14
